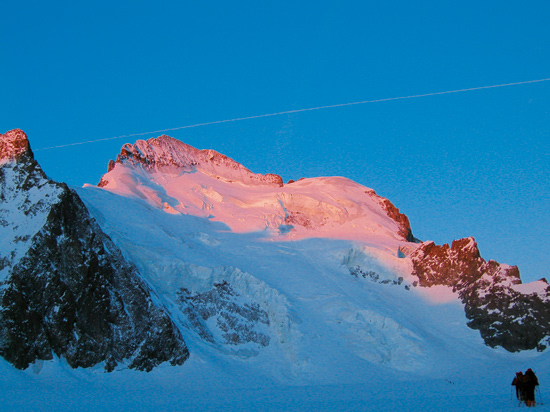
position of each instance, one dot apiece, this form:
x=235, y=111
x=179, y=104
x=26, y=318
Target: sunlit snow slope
x=303, y=282
x=177, y=178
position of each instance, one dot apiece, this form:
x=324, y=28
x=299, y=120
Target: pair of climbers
x=525, y=386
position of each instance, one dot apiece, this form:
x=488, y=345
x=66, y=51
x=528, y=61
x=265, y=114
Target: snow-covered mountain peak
x=167, y=154
x=177, y=178
x=161, y=258
x=13, y=144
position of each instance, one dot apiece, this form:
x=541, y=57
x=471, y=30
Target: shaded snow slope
x=197, y=387
x=322, y=262
x=326, y=322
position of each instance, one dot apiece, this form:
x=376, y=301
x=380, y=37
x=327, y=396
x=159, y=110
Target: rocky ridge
x=13, y=145
x=66, y=290
x=393, y=212
x=496, y=303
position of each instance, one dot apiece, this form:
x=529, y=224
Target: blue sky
x=465, y=164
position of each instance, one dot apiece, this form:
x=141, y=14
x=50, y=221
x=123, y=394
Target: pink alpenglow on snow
x=178, y=178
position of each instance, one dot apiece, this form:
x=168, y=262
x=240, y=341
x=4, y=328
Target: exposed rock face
x=65, y=288
x=454, y=266
x=13, y=145
x=505, y=314
x=496, y=303
x=393, y=212
x=165, y=151
x=222, y=316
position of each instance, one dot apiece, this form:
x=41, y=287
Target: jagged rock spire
x=66, y=289
x=13, y=145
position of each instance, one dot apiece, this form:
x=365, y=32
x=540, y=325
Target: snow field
x=348, y=329
x=328, y=327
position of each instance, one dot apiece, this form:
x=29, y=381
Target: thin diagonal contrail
x=297, y=111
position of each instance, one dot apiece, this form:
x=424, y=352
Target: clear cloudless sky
x=463, y=164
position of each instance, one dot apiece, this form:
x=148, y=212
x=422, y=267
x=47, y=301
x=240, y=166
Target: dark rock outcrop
x=491, y=294
x=237, y=320
x=65, y=288
x=455, y=266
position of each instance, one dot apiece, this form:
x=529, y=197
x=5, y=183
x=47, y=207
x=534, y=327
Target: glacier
x=290, y=297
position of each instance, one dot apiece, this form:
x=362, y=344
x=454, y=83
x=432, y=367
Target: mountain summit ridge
x=179, y=178
x=164, y=152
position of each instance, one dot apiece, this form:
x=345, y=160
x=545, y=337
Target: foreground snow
x=193, y=387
